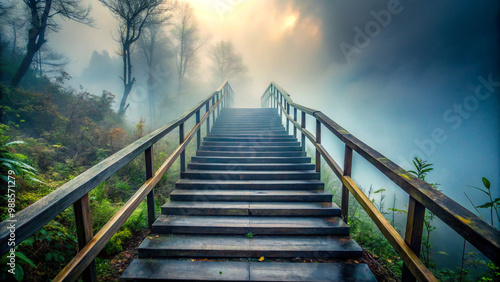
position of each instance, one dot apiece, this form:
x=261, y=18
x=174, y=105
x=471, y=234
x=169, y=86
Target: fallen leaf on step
x=261, y=259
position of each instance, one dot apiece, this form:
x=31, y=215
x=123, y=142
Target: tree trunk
x=23, y=68
x=126, y=92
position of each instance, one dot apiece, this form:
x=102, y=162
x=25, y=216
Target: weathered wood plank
x=148, y=155
x=345, y=191
x=330, y=161
x=318, y=142
x=407, y=255
x=287, y=97
x=84, y=232
x=413, y=233
x=309, y=135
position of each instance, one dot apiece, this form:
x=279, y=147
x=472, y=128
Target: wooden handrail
x=479, y=233
x=35, y=216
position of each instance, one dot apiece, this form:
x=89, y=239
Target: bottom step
x=177, y=270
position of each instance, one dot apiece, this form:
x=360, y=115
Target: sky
x=409, y=78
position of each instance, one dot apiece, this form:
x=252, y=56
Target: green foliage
x=493, y=204
x=422, y=168
x=20, y=260
x=249, y=235
x=114, y=245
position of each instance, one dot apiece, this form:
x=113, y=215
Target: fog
x=403, y=76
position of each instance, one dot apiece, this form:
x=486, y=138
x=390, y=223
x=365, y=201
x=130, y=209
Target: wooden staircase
x=249, y=192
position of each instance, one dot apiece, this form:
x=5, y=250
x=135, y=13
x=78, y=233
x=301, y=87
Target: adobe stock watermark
x=223, y=7
x=454, y=117
x=11, y=211
x=372, y=29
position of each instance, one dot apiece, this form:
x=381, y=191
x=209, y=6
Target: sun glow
x=290, y=22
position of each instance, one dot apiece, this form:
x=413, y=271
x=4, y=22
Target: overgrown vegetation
x=50, y=134
x=367, y=234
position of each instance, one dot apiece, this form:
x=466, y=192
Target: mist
x=400, y=75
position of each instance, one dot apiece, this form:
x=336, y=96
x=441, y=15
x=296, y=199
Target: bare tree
x=187, y=41
x=48, y=61
x=11, y=21
x=153, y=35
x=227, y=63
x=132, y=16
x=42, y=15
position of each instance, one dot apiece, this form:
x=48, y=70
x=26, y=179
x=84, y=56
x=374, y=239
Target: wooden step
x=203, y=195
x=243, y=166
x=249, y=184
x=266, y=160
x=251, y=139
x=236, y=125
x=251, y=175
x=250, y=208
x=217, y=246
x=234, y=225
x=251, y=135
x=215, y=143
x=179, y=270
x=251, y=154
x=251, y=148
x=239, y=126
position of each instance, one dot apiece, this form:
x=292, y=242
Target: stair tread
x=178, y=270
x=250, y=221
x=253, y=172
x=263, y=193
x=251, y=166
x=234, y=159
x=251, y=205
x=263, y=244
x=247, y=182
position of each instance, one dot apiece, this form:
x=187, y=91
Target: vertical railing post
x=287, y=120
x=207, y=108
x=218, y=99
x=148, y=154
x=413, y=235
x=183, y=153
x=318, y=142
x=344, y=208
x=303, y=125
x=276, y=99
x=281, y=106
x=213, y=113
x=198, y=133
x=84, y=232
x=294, y=119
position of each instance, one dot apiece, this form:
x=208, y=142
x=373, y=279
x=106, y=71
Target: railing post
x=213, y=113
x=183, y=153
x=198, y=133
x=207, y=108
x=151, y=196
x=413, y=235
x=303, y=125
x=294, y=119
x=287, y=120
x=318, y=142
x=84, y=232
x=275, y=98
x=218, y=99
x=345, y=192
x=281, y=107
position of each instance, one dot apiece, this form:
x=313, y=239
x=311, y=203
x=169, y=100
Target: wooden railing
x=421, y=195
x=76, y=191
